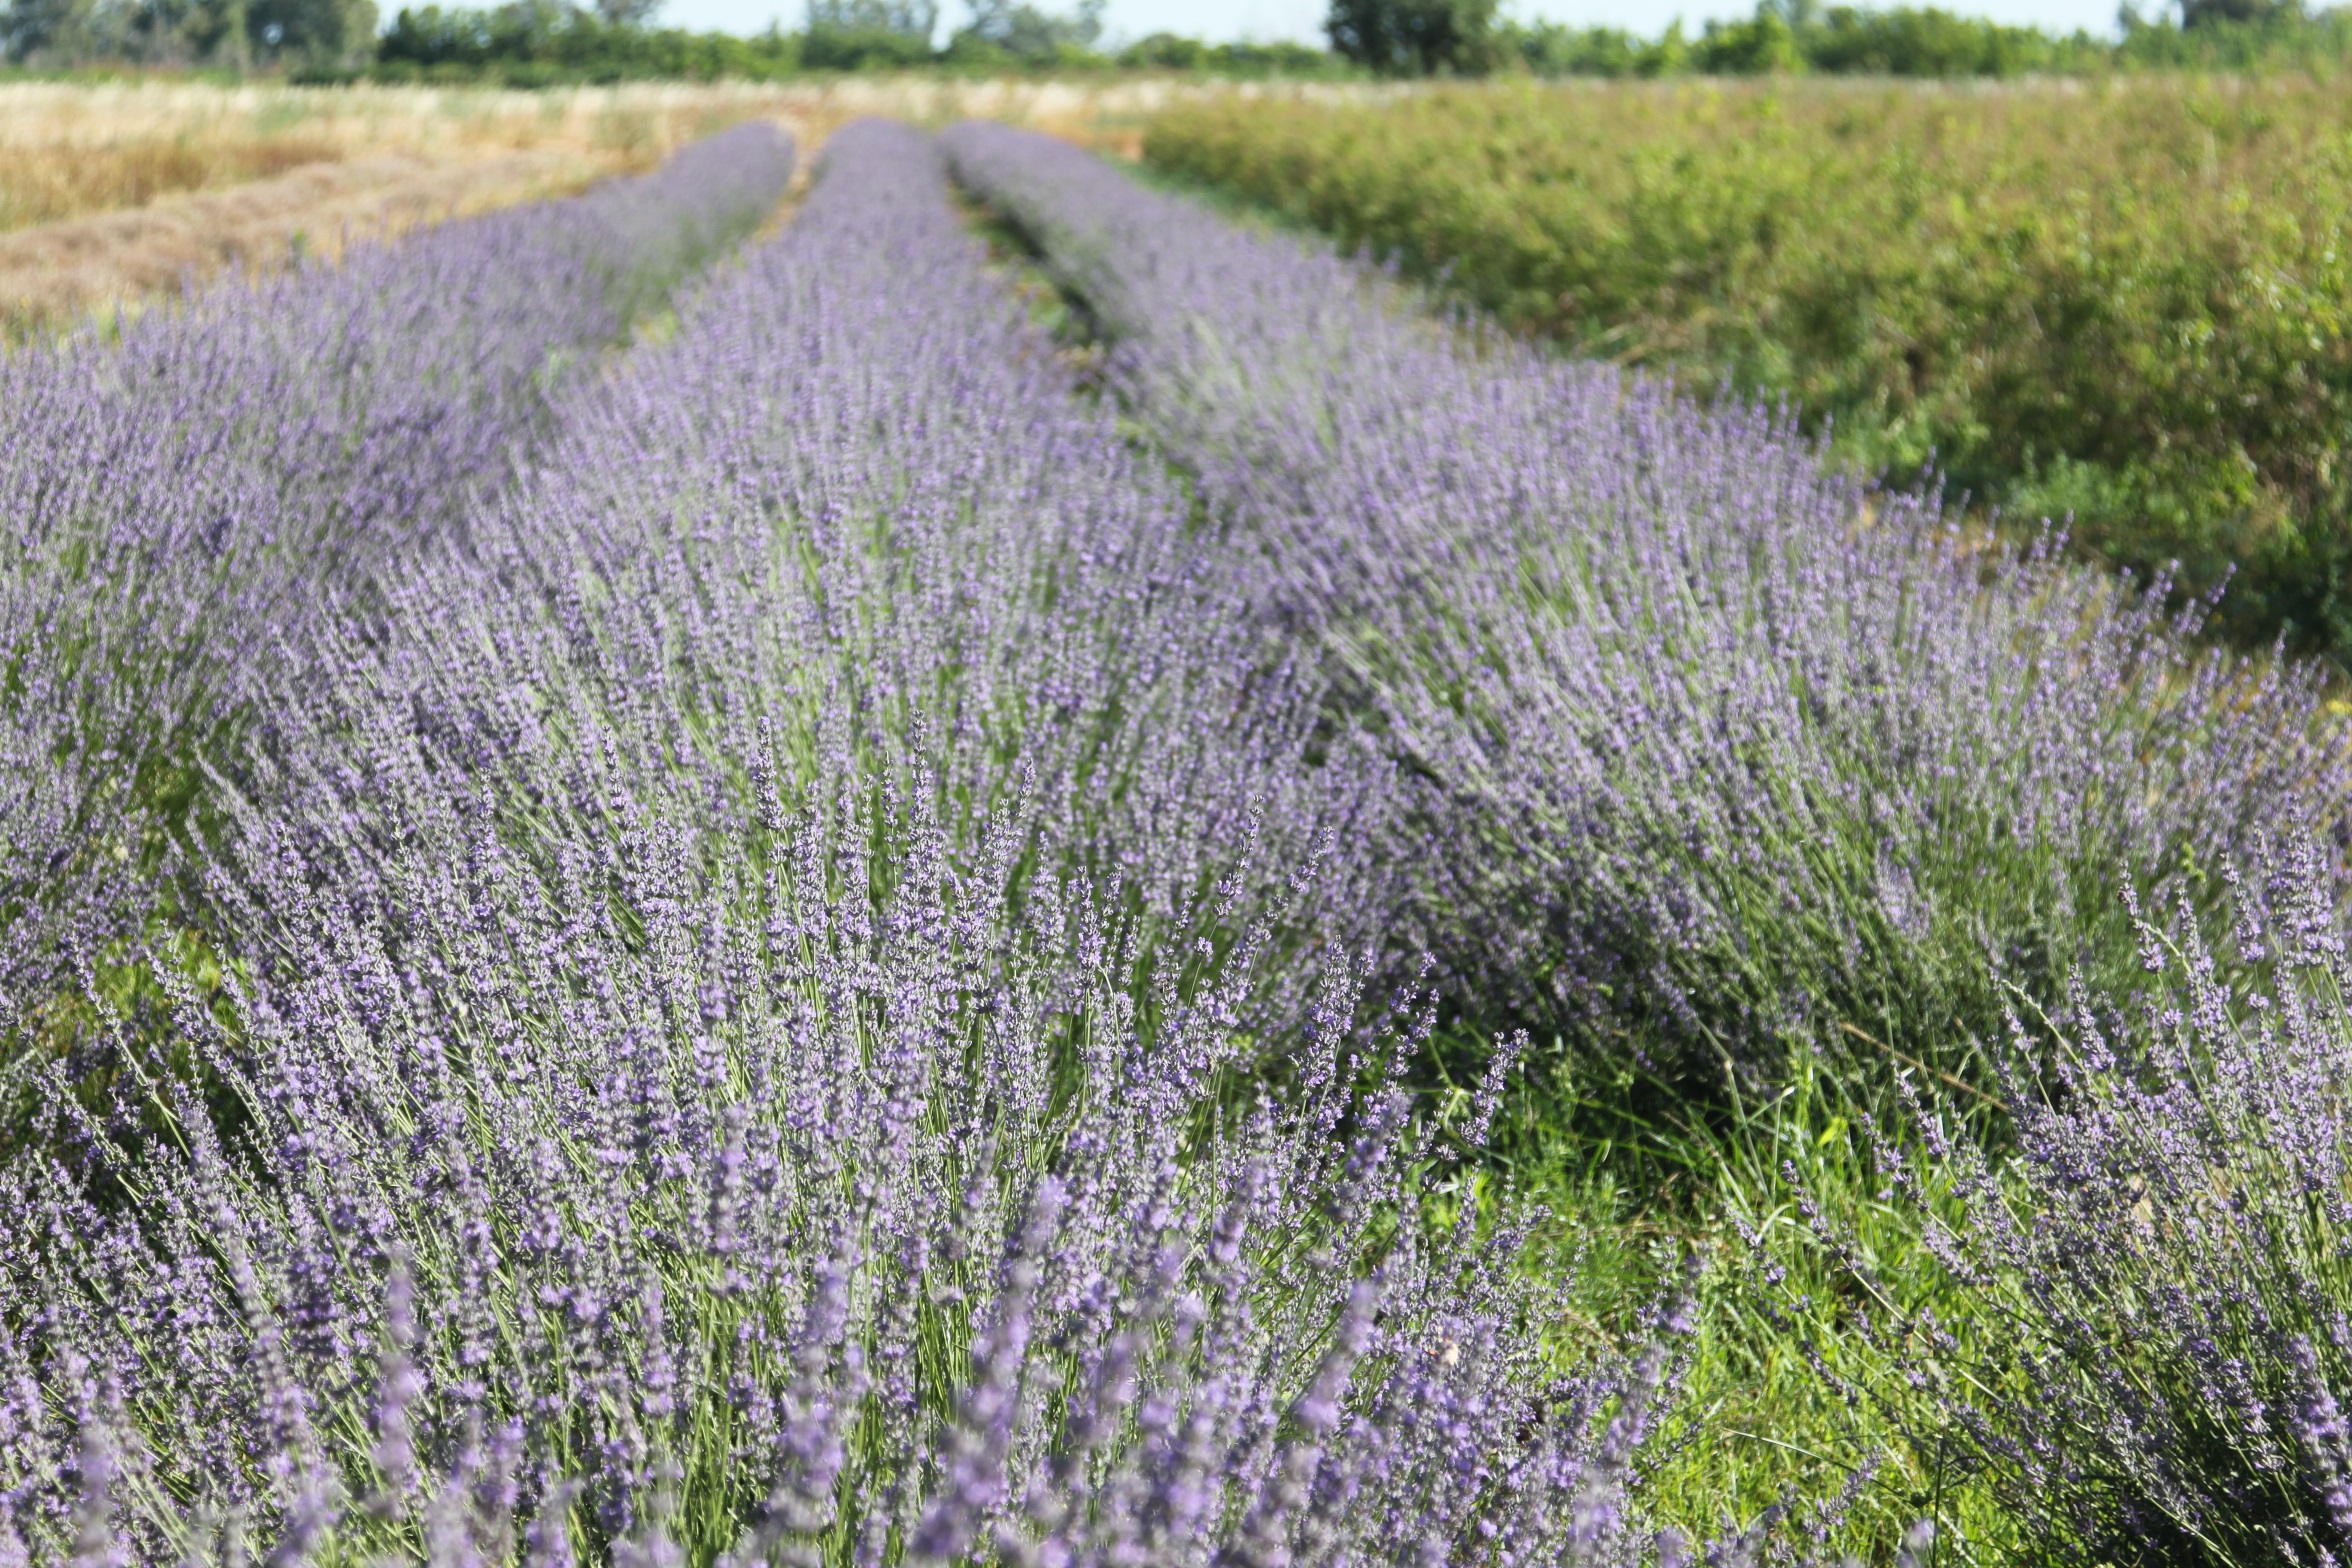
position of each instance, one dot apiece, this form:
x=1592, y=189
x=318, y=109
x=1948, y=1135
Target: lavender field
x=984, y=870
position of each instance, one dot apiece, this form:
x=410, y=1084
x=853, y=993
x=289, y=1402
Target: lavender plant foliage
x=953, y=561
x=1705, y=748
x=2145, y=1334
x=723, y=1068
x=193, y=506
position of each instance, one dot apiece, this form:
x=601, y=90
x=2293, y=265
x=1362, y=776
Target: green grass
x=1640, y=1191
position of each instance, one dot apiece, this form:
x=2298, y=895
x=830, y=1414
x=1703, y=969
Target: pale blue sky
x=1303, y=19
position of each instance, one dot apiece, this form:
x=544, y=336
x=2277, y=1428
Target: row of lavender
x=187, y=505
x=739, y=1029
x=1737, y=685
x=1745, y=760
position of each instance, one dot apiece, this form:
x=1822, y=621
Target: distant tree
x=1555, y=49
x=189, y=31
x=908, y=18
x=1415, y=37
x=854, y=35
x=1165, y=52
x=216, y=32
x=68, y=31
x=542, y=43
x=314, y=32
x=1280, y=57
x=1032, y=33
x=1924, y=41
x=2209, y=13
x=1764, y=45
x=30, y=28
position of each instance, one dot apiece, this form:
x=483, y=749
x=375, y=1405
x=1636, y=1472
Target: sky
x=1302, y=20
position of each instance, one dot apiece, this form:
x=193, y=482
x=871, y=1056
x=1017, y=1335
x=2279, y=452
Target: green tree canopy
x=1414, y=37
x=224, y=32
x=907, y=18
x=2208, y=13
x=1027, y=32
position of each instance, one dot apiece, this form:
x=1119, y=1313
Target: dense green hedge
x=530, y=46
x=1790, y=36
x=534, y=46
x=548, y=42
x=1842, y=41
x=2128, y=300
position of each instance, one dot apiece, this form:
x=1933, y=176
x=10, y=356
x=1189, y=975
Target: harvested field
x=57, y=272
x=44, y=187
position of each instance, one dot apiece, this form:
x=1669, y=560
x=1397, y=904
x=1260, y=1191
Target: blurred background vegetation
x=529, y=43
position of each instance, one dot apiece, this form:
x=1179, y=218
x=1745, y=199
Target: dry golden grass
x=43, y=188
x=56, y=272
x=67, y=151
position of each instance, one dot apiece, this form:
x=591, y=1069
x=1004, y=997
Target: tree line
x=536, y=42
x=545, y=42
x=1468, y=38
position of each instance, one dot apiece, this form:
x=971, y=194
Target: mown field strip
x=53, y=274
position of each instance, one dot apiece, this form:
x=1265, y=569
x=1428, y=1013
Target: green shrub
x=862, y=48
x=1764, y=45
x=1929, y=42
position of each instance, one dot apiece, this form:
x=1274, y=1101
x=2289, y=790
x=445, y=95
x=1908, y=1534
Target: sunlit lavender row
x=1709, y=748
x=737, y=1027
x=193, y=502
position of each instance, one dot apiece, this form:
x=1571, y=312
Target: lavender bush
x=1705, y=748
x=194, y=505
x=2154, y=1329
x=734, y=1033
